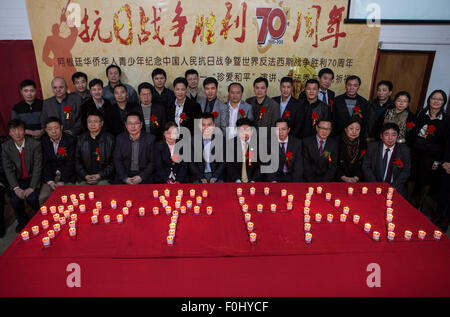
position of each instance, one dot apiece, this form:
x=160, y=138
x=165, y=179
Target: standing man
x=315, y=110
x=265, y=110
x=162, y=95
x=237, y=109
x=113, y=73
x=194, y=92
x=80, y=81
x=154, y=115
x=326, y=95
x=212, y=104
x=63, y=106
x=22, y=163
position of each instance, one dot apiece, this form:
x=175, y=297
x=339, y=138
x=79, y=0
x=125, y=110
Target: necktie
x=24, y=166
x=385, y=160
x=244, y=177
x=324, y=98
x=283, y=149
x=321, y=147
x=206, y=154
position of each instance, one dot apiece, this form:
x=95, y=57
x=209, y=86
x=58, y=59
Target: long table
x=212, y=254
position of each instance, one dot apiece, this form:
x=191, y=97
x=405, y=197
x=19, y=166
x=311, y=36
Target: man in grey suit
x=236, y=109
x=22, y=163
x=265, y=110
x=63, y=106
x=387, y=160
x=212, y=104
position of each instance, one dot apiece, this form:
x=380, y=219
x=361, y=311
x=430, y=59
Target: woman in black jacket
x=170, y=169
x=352, y=147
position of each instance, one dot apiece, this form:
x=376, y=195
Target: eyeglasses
x=437, y=99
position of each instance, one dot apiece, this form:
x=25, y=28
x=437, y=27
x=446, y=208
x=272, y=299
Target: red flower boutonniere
x=287, y=115
x=410, y=126
x=215, y=114
x=175, y=159
x=241, y=113
x=154, y=120
x=363, y=152
x=315, y=116
x=62, y=153
x=249, y=155
x=357, y=111
x=183, y=117
x=331, y=105
x=262, y=111
x=288, y=157
x=430, y=131
x=97, y=151
x=398, y=163
x=68, y=111
x=327, y=155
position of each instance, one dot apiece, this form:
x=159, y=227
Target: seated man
x=133, y=153
x=387, y=160
x=29, y=110
x=94, y=153
x=245, y=165
x=290, y=168
x=58, y=154
x=212, y=104
x=320, y=154
x=265, y=110
x=22, y=164
x=211, y=168
x=80, y=81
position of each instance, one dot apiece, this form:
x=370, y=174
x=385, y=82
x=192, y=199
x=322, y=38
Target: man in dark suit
x=320, y=154
x=58, y=158
x=315, y=109
x=210, y=167
x=22, y=163
x=133, y=154
x=244, y=166
x=387, y=160
x=290, y=108
x=161, y=95
x=212, y=104
x=326, y=95
x=290, y=168
x=183, y=111
x=350, y=104
x=153, y=114
x=265, y=110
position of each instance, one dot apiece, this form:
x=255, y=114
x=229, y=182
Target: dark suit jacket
x=373, y=165
x=53, y=162
x=341, y=115
x=198, y=168
x=164, y=165
x=318, y=107
x=234, y=167
x=268, y=119
x=12, y=164
x=122, y=157
x=191, y=109
x=111, y=116
x=51, y=108
x=294, y=113
x=345, y=167
x=295, y=166
x=160, y=113
x=330, y=98
x=319, y=168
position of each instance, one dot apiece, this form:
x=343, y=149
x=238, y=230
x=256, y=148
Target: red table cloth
x=212, y=254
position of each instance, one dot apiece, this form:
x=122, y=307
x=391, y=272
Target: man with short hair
x=63, y=106
x=29, y=109
x=212, y=104
x=320, y=154
x=153, y=115
x=237, y=109
x=80, y=81
x=162, y=95
x=326, y=95
x=387, y=160
x=315, y=109
x=58, y=154
x=265, y=110
x=194, y=92
x=113, y=73
x=94, y=153
x=133, y=153
x=22, y=164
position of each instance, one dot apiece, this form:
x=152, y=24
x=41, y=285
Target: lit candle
x=75, y=202
x=391, y=227
x=307, y=218
x=330, y=218
x=125, y=211
x=391, y=190
x=244, y=207
x=177, y=205
x=57, y=227
x=168, y=210
x=98, y=205
x=91, y=195
x=346, y=210
x=289, y=206
x=283, y=193
x=250, y=226
x=273, y=207
x=328, y=196
x=391, y=235
x=252, y=191
x=178, y=199
x=180, y=192
x=25, y=235
x=53, y=209
x=94, y=219
x=376, y=236
x=74, y=217
x=364, y=190
x=408, y=235
x=239, y=191
x=67, y=214
x=343, y=218
x=290, y=198
x=82, y=196
x=113, y=204
x=172, y=233
x=266, y=191
x=389, y=217
x=56, y=217
x=70, y=208
x=311, y=190
x=247, y=217
x=155, y=194
x=172, y=226
x=95, y=212
x=319, y=189
x=367, y=227
x=62, y=221
x=155, y=211
x=307, y=227
x=422, y=234
x=192, y=193
x=51, y=234
x=141, y=211
x=389, y=196
x=307, y=203
x=306, y=210
x=72, y=224
x=73, y=196
x=252, y=237
x=161, y=199
x=379, y=190
x=169, y=240
x=60, y=209
x=259, y=207
x=196, y=210
x=241, y=200
x=44, y=224
x=165, y=203
x=82, y=208
x=204, y=193
x=388, y=203
x=175, y=213
x=189, y=203
x=183, y=209
x=350, y=191
x=308, y=237
x=43, y=210
x=106, y=218
x=209, y=210
x=46, y=242
x=199, y=200
x=64, y=199
x=119, y=218
x=437, y=234
x=389, y=211
x=167, y=192
x=337, y=203
x=318, y=218
x=308, y=196
x=173, y=219
x=72, y=232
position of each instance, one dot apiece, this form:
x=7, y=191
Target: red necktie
x=24, y=166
